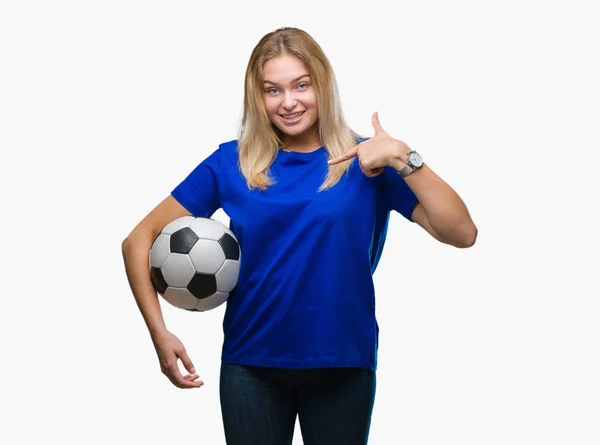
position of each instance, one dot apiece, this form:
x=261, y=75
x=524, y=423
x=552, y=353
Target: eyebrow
x=295, y=80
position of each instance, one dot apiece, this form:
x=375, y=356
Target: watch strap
x=406, y=170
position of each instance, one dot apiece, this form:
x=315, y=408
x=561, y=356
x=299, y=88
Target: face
x=289, y=97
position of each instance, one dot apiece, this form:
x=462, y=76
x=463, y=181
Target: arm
x=136, y=249
x=440, y=210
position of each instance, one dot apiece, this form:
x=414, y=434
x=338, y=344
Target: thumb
x=187, y=362
x=376, y=124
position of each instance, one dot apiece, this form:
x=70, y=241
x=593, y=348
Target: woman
x=309, y=201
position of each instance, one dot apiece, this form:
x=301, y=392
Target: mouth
x=292, y=117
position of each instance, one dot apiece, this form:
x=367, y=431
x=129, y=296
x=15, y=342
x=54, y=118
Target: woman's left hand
x=377, y=152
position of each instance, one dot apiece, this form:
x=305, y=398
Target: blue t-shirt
x=305, y=296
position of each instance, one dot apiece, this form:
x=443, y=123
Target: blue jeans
x=259, y=405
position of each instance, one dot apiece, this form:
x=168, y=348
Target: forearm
x=135, y=256
x=446, y=211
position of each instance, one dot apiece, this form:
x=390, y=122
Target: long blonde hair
x=259, y=140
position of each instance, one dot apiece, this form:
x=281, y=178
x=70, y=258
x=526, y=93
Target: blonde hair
x=259, y=140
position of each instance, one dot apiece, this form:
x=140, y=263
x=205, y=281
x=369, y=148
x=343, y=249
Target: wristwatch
x=414, y=162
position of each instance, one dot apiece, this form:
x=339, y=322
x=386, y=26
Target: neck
x=302, y=143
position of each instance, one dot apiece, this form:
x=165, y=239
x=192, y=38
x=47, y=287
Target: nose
x=289, y=101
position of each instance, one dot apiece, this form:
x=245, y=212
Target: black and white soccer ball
x=194, y=263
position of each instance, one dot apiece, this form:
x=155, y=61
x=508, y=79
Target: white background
x=106, y=106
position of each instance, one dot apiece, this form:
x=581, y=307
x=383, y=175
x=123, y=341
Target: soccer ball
x=194, y=263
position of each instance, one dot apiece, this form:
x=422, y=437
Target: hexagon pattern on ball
x=207, y=256
x=227, y=276
x=178, y=270
x=195, y=263
x=177, y=224
x=160, y=251
x=206, y=228
x=181, y=298
x=211, y=302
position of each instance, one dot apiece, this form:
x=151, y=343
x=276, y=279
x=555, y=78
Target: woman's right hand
x=169, y=349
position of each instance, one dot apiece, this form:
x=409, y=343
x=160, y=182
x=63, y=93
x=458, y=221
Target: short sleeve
x=199, y=191
x=397, y=195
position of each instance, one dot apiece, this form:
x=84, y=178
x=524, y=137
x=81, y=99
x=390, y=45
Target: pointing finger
x=348, y=155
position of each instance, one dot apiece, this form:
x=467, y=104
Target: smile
x=292, y=116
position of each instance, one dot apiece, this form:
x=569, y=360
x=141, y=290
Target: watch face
x=415, y=159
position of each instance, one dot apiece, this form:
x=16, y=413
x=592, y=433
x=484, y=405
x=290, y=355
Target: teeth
x=291, y=116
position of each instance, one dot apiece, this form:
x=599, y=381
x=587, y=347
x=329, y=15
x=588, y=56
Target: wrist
x=400, y=156
x=407, y=161
x=157, y=330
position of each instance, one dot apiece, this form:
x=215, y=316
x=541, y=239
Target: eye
x=270, y=90
x=303, y=84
